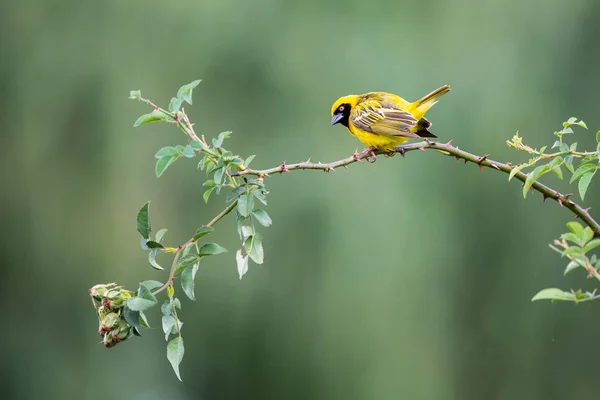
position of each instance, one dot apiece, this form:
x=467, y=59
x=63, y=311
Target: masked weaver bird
x=382, y=121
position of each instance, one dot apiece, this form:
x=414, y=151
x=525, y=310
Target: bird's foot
x=390, y=154
x=369, y=154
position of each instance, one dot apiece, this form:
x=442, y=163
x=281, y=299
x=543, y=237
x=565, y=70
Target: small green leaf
x=185, y=92
x=135, y=94
x=588, y=234
x=219, y=174
x=516, y=169
x=202, y=231
x=152, y=259
x=571, y=266
x=569, y=164
x=170, y=291
x=543, y=149
x=168, y=322
x=582, y=170
x=256, y=252
x=166, y=308
x=553, y=294
x=207, y=193
x=584, y=183
x=565, y=147
x=573, y=251
x=573, y=238
x=163, y=163
x=581, y=124
x=144, y=299
x=143, y=221
x=573, y=147
x=175, y=104
x=247, y=231
x=185, y=262
x=245, y=205
x=566, y=131
x=262, y=217
x=235, y=193
x=143, y=244
x=132, y=317
x=260, y=196
x=160, y=234
x=209, y=183
x=154, y=245
x=175, y=353
x=598, y=136
x=188, y=152
x=242, y=263
x=591, y=245
x=209, y=249
x=576, y=228
x=558, y=172
x=167, y=151
x=196, y=145
x=187, y=280
x=534, y=176
x=154, y=116
x=556, y=144
x=249, y=159
x=151, y=285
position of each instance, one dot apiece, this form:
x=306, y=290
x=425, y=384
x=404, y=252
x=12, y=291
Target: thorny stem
x=449, y=150
x=216, y=219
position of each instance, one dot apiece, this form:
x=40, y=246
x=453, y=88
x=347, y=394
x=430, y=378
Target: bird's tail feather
x=429, y=100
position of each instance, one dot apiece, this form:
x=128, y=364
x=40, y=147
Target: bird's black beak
x=336, y=118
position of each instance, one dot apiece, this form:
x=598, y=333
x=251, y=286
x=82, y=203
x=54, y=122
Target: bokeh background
x=407, y=278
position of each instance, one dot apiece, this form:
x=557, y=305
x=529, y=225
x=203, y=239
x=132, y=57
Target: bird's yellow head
x=340, y=111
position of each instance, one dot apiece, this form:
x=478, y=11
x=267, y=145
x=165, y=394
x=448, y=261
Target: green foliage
x=567, y=157
x=220, y=166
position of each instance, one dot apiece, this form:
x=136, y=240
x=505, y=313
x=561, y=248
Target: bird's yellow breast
x=379, y=142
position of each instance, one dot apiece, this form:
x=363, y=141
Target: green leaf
x=154, y=245
x=571, y=266
x=202, y=231
x=256, y=252
x=185, y=262
x=152, y=259
x=553, y=294
x=245, y=205
x=582, y=170
x=534, y=176
x=235, y=193
x=242, y=263
x=247, y=231
x=218, y=142
x=556, y=144
x=132, y=317
x=571, y=237
x=143, y=221
x=207, y=193
x=143, y=244
x=249, y=159
x=516, y=169
x=175, y=104
x=135, y=94
x=187, y=280
x=569, y=164
x=185, y=92
x=170, y=291
x=262, y=217
x=163, y=163
x=159, y=235
x=598, y=136
x=219, y=174
x=573, y=251
x=565, y=147
x=576, y=228
x=151, y=285
x=260, y=196
x=154, y=116
x=584, y=183
x=588, y=234
x=591, y=245
x=144, y=299
x=209, y=249
x=166, y=308
x=543, y=149
x=196, y=145
x=167, y=151
x=175, y=353
x=209, y=183
x=188, y=152
x=168, y=322
x=573, y=147
x=557, y=171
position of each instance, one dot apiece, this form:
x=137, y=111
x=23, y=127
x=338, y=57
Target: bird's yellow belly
x=379, y=142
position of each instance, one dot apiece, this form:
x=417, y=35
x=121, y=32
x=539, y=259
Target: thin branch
x=216, y=219
x=449, y=150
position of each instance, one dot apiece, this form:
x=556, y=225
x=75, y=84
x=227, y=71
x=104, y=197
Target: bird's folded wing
x=370, y=116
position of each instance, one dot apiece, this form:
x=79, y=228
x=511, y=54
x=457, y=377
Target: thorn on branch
x=402, y=152
x=559, y=201
x=457, y=159
x=422, y=148
x=429, y=142
x=345, y=166
x=449, y=143
x=495, y=166
x=545, y=196
x=587, y=210
x=284, y=168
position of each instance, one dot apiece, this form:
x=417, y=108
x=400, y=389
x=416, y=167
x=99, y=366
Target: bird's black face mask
x=341, y=115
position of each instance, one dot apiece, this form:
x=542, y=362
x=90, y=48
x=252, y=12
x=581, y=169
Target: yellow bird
x=382, y=120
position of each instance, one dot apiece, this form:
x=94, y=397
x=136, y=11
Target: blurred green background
x=409, y=278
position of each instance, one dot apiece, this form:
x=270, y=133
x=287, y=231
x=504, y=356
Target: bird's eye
x=341, y=108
